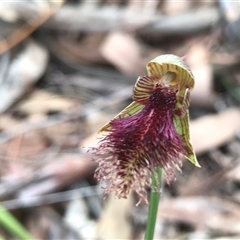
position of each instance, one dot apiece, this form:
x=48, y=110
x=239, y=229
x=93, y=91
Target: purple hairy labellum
x=151, y=132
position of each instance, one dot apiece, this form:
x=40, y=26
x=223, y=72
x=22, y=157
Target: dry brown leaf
x=213, y=213
x=198, y=59
x=114, y=222
x=22, y=147
x=69, y=48
x=32, y=144
x=60, y=173
x=66, y=134
x=214, y=130
x=122, y=50
x=22, y=73
x=126, y=53
x=43, y=102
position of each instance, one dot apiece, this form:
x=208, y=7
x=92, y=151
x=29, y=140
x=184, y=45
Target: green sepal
x=130, y=110
x=182, y=127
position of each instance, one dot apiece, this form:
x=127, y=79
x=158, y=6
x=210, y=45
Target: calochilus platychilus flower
x=153, y=131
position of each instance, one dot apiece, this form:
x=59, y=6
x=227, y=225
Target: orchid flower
x=153, y=131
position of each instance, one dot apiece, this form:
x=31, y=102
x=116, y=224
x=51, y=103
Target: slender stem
x=153, y=207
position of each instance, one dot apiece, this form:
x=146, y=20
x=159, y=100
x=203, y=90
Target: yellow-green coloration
x=169, y=71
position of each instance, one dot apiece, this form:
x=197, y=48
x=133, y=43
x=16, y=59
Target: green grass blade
x=10, y=223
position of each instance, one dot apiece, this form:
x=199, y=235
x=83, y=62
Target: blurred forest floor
x=66, y=68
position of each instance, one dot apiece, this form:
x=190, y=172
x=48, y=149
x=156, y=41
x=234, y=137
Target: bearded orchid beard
x=135, y=145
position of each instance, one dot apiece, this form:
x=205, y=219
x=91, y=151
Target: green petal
x=182, y=127
x=130, y=110
x=143, y=89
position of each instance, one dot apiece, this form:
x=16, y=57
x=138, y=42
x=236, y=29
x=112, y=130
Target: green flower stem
x=153, y=207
